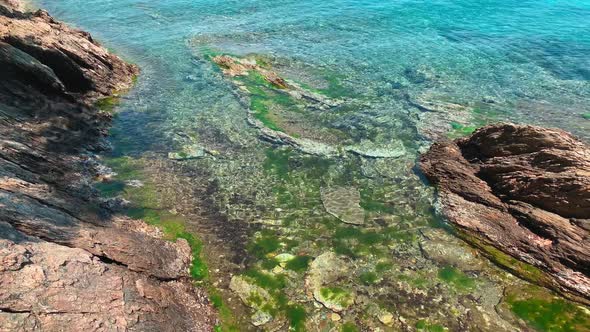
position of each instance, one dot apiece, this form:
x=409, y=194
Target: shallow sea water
x=402, y=73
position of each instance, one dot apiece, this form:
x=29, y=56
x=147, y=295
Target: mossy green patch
x=545, y=312
x=372, y=200
x=418, y=281
x=297, y=316
x=108, y=104
x=383, y=267
x=368, y=277
x=423, y=325
x=335, y=86
x=264, y=245
x=299, y=263
x=146, y=206
x=461, y=130
x=266, y=280
x=277, y=161
x=337, y=295
x=522, y=269
x=216, y=300
x=110, y=188
x=455, y=277
x=349, y=327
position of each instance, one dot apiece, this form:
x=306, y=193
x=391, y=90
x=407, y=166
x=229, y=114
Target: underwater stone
x=334, y=298
x=285, y=257
x=386, y=318
x=370, y=150
x=188, y=152
x=254, y=297
x=325, y=270
x=344, y=204
x=260, y=318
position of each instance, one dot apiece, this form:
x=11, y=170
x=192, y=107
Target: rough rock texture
x=67, y=263
x=12, y=4
x=525, y=191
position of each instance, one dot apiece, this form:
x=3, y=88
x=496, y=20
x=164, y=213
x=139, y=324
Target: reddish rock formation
x=525, y=191
x=66, y=263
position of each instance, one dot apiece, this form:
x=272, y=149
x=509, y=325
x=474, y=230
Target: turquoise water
x=403, y=73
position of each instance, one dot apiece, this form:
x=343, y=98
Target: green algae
x=423, y=325
x=456, y=278
x=299, y=263
x=349, y=327
x=264, y=245
x=354, y=242
x=146, y=206
x=545, y=312
x=266, y=280
x=462, y=130
x=369, y=278
x=110, y=188
x=419, y=281
x=337, y=295
x=297, y=317
x=277, y=162
x=519, y=268
x=383, y=267
x=374, y=201
x=108, y=104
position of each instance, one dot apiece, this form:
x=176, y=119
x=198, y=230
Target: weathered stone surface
x=344, y=204
x=65, y=263
x=524, y=191
x=12, y=4
x=255, y=297
x=324, y=273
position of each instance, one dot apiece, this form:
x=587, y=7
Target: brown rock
x=525, y=191
x=65, y=263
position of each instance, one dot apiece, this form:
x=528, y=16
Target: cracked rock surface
x=522, y=190
x=66, y=262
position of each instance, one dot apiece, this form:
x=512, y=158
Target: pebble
x=386, y=318
x=335, y=317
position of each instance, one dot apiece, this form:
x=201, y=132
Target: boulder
x=521, y=192
x=66, y=264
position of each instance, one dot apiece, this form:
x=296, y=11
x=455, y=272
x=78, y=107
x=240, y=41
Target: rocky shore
x=522, y=195
x=67, y=262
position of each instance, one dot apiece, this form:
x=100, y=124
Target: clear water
x=522, y=61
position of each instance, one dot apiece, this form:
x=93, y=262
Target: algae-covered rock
x=254, y=297
x=325, y=269
x=516, y=191
x=344, y=204
x=188, y=152
x=285, y=257
x=324, y=272
x=334, y=298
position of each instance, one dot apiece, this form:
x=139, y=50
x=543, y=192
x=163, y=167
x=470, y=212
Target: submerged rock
x=521, y=191
x=344, y=204
x=188, y=152
x=324, y=273
x=254, y=297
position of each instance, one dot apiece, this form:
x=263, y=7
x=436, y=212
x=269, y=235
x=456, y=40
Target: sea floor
x=280, y=140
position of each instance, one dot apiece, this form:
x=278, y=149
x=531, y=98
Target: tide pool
x=308, y=193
